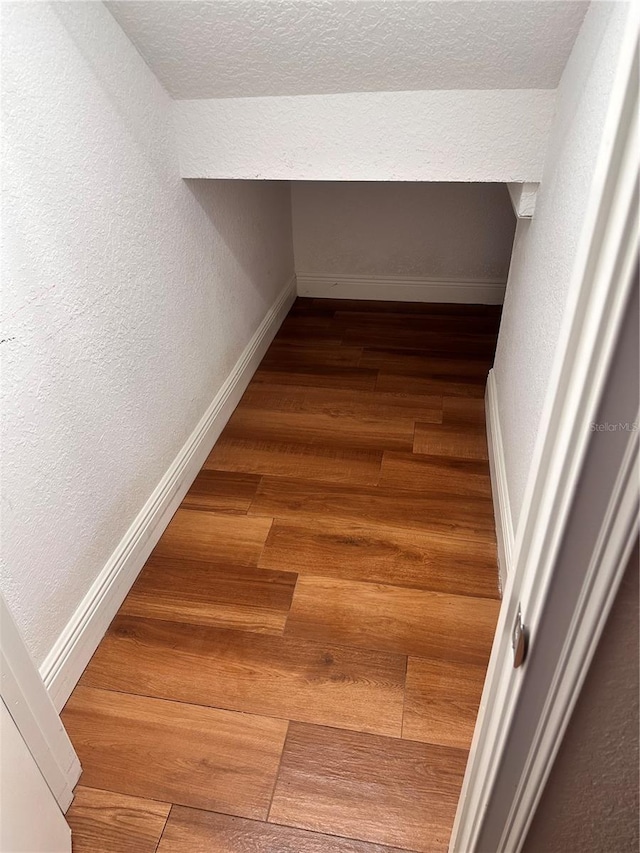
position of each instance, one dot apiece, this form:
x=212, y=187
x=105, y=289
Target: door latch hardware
x=519, y=640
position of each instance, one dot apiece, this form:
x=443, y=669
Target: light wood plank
x=464, y=477
x=272, y=676
x=105, y=822
x=382, y=554
x=442, y=700
x=463, y=517
x=177, y=753
x=198, y=535
x=201, y=593
x=221, y=491
x=341, y=403
x=324, y=429
x=206, y=832
x=396, y=619
x=450, y=440
x=376, y=789
x=335, y=464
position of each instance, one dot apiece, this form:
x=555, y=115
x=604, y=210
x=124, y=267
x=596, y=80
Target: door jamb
x=601, y=281
x=34, y=713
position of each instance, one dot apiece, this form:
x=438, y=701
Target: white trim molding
x=79, y=639
x=32, y=710
x=402, y=288
x=523, y=199
x=499, y=484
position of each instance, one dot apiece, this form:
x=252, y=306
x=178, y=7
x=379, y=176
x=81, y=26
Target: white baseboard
x=79, y=639
x=499, y=487
x=402, y=288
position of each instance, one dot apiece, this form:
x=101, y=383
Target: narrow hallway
x=299, y=665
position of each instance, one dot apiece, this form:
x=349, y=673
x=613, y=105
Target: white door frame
x=600, y=285
x=33, y=712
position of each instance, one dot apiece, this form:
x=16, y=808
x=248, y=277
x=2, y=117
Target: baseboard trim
x=402, y=288
x=79, y=639
x=499, y=486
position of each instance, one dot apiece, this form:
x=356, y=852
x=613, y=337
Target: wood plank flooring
x=298, y=667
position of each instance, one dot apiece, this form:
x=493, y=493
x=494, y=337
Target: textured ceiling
x=240, y=48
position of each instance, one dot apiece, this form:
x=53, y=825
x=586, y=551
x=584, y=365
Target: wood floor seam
x=204, y=706
x=351, y=838
x=164, y=828
x=275, y=781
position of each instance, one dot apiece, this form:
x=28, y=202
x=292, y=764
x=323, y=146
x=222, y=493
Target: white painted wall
x=422, y=230
x=437, y=135
x=546, y=248
x=129, y=296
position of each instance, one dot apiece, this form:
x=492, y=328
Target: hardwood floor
x=298, y=667
x=392, y=791
x=106, y=822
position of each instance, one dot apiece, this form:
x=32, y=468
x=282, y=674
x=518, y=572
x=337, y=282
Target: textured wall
x=545, y=249
x=413, y=229
x=448, y=135
x=130, y=295
x=590, y=802
x=245, y=48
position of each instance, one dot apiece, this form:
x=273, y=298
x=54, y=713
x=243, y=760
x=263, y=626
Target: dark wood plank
x=221, y=491
x=285, y=354
x=319, y=377
x=310, y=329
x=273, y=676
x=395, y=619
x=195, y=831
x=336, y=464
x=399, y=321
x=373, y=788
x=306, y=306
x=469, y=517
x=464, y=477
x=199, y=535
x=426, y=365
x=323, y=429
x=201, y=593
x=464, y=412
x=173, y=752
x=382, y=554
x=105, y=822
x=432, y=338
x=454, y=440
x=442, y=700
x=451, y=385
x=376, y=306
